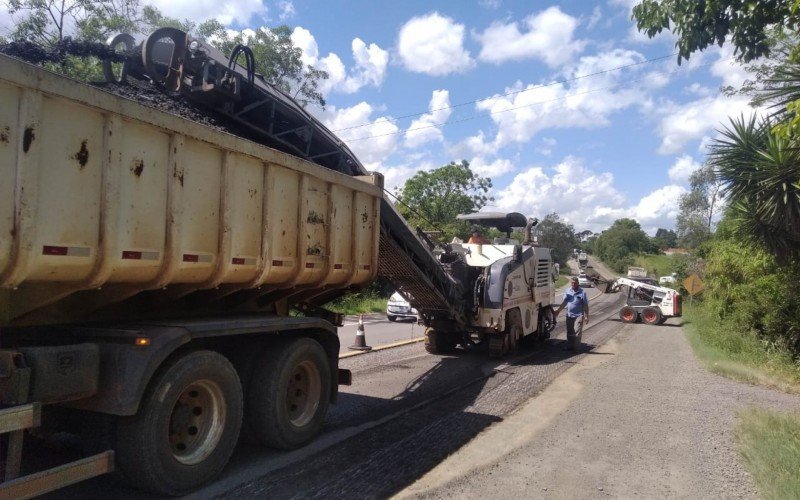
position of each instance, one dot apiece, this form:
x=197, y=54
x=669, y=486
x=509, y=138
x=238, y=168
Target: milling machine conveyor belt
x=410, y=266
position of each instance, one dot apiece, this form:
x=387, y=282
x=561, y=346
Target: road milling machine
x=509, y=288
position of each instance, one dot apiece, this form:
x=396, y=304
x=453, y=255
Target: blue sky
x=563, y=104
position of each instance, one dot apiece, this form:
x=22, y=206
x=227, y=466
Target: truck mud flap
x=345, y=377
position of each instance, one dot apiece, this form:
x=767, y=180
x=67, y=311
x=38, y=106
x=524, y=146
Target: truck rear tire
x=440, y=341
x=628, y=314
x=288, y=394
x=186, y=427
x=651, y=316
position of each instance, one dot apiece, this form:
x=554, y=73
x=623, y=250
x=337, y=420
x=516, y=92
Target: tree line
x=48, y=23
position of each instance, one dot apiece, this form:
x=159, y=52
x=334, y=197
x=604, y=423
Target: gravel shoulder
x=638, y=417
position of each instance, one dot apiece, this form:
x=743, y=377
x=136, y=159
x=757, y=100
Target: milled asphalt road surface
x=643, y=420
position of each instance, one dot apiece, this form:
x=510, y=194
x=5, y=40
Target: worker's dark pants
x=573, y=336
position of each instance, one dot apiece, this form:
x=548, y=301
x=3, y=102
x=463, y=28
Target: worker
x=577, y=304
x=476, y=237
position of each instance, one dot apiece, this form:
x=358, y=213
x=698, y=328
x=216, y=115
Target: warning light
x=142, y=341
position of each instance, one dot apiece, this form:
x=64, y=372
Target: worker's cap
x=475, y=229
x=574, y=279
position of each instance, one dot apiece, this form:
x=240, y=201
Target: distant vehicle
x=583, y=260
x=668, y=280
x=584, y=281
x=399, y=308
x=650, y=304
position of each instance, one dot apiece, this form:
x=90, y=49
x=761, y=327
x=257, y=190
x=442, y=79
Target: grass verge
x=769, y=442
x=656, y=265
x=357, y=303
x=729, y=352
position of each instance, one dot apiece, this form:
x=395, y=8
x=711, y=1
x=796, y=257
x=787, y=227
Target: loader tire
x=440, y=341
x=628, y=315
x=651, y=316
x=288, y=394
x=186, y=427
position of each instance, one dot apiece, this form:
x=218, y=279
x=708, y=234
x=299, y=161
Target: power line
x=483, y=115
x=514, y=92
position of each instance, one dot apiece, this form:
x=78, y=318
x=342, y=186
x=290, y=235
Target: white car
x=584, y=282
x=399, y=308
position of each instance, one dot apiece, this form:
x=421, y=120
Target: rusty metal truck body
x=143, y=257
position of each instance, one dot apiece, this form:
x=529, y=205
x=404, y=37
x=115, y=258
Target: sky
x=563, y=104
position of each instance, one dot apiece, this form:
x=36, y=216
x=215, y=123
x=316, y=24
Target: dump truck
x=163, y=281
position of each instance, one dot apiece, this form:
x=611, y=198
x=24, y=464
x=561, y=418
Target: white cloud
x=585, y=198
x=286, y=10
x=546, y=146
x=6, y=22
x=425, y=128
x=682, y=168
x=433, y=45
x=683, y=123
x=570, y=189
x=524, y=110
x=496, y=168
x=547, y=35
x=372, y=143
x=226, y=11
x=597, y=15
x=726, y=68
x=370, y=64
x=658, y=209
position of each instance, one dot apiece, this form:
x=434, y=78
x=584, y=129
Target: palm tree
x=760, y=171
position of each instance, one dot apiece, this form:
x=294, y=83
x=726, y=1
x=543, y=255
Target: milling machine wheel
x=440, y=341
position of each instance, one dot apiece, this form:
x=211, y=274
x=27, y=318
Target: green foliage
x=558, y=236
x=365, y=301
x=746, y=286
x=761, y=175
x=277, y=59
x=660, y=265
x=432, y=199
x=700, y=24
x=729, y=350
x=665, y=238
x=697, y=208
x=617, y=245
x=769, y=442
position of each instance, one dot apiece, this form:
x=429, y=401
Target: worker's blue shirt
x=576, y=300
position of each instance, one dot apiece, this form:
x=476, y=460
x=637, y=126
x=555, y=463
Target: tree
x=665, y=238
x=558, y=236
x=432, y=199
x=700, y=24
x=277, y=59
x=760, y=172
x=698, y=207
x=617, y=245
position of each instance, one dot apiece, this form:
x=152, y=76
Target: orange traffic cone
x=361, y=341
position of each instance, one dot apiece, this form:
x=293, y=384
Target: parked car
x=399, y=308
x=584, y=281
x=667, y=280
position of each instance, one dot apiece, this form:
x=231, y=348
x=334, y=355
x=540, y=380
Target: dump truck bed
x=103, y=198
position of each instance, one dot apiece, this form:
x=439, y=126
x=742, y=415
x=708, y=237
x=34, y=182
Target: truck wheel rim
x=650, y=317
x=628, y=315
x=303, y=393
x=197, y=422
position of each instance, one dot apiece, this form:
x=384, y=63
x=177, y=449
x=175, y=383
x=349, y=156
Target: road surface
x=633, y=415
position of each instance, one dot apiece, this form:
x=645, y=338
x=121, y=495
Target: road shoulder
x=641, y=417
